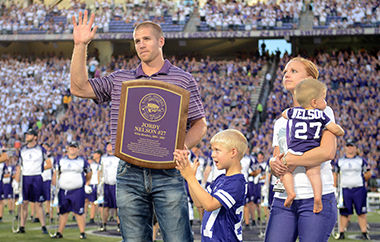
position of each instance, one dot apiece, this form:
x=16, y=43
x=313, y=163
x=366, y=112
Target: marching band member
x=31, y=161
x=109, y=164
x=46, y=177
x=248, y=167
x=355, y=172
x=91, y=198
x=74, y=172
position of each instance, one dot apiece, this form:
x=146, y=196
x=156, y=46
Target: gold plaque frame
x=152, y=123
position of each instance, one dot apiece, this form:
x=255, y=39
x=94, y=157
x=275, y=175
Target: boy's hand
x=187, y=169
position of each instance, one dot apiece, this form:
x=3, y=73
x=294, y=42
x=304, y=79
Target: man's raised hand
x=82, y=32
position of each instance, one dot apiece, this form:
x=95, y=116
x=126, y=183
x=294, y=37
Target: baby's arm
x=335, y=129
x=285, y=113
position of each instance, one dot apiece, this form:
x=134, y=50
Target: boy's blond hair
x=231, y=138
x=307, y=90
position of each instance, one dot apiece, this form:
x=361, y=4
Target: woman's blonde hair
x=231, y=138
x=310, y=67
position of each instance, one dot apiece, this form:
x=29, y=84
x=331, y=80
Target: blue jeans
x=140, y=190
x=286, y=224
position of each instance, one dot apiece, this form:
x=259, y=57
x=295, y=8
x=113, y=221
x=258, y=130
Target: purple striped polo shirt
x=108, y=88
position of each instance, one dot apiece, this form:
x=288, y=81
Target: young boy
x=223, y=201
x=306, y=125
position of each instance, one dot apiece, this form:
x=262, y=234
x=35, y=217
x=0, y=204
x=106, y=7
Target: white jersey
x=48, y=173
x=200, y=169
x=3, y=169
x=247, y=166
x=7, y=180
x=302, y=186
x=95, y=168
x=72, y=172
x=109, y=163
x=260, y=178
x=353, y=170
x=214, y=173
x=32, y=160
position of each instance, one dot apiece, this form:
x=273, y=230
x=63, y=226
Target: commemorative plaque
x=152, y=123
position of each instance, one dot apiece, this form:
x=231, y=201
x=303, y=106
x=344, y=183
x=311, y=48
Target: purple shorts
x=1, y=191
x=109, y=196
x=257, y=193
x=250, y=193
x=32, y=188
x=93, y=196
x=71, y=201
x=8, y=191
x=47, y=188
x=271, y=196
x=354, y=197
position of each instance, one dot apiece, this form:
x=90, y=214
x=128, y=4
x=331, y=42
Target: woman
x=286, y=224
x=355, y=171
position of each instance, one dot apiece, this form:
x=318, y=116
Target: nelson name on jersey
x=307, y=114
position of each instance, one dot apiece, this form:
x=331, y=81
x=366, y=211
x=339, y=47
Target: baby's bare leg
x=314, y=175
x=288, y=182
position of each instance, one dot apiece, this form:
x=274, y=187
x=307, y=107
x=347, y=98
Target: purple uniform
x=248, y=164
x=305, y=129
x=7, y=182
x=32, y=163
x=71, y=184
x=224, y=223
x=3, y=170
x=353, y=183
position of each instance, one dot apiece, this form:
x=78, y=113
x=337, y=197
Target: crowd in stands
x=39, y=19
x=36, y=96
x=346, y=14
x=238, y=15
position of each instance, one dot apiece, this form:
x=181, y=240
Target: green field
x=33, y=231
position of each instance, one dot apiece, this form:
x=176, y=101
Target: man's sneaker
x=92, y=221
x=47, y=215
x=253, y=223
x=31, y=218
x=58, y=235
x=44, y=230
x=340, y=236
x=111, y=219
x=82, y=236
x=118, y=227
x=365, y=236
x=102, y=228
x=21, y=230
x=36, y=220
x=279, y=187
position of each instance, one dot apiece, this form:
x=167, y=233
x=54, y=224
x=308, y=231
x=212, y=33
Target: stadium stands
x=226, y=86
